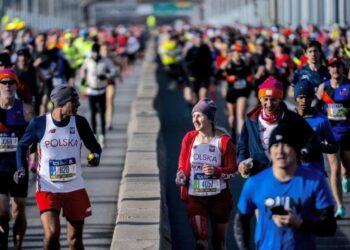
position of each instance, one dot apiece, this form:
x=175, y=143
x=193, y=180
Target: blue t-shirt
x=323, y=130
x=316, y=77
x=305, y=193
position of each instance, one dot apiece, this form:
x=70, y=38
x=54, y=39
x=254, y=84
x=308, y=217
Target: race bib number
x=336, y=112
x=240, y=84
x=205, y=184
x=63, y=170
x=8, y=142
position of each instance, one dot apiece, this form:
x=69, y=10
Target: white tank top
x=205, y=153
x=59, y=169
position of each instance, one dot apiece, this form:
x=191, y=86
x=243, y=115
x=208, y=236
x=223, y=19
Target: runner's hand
x=290, y=220
x=180, y=179
x=19, y=176
x=245, y=167
x=208, y=169
x=93, y=160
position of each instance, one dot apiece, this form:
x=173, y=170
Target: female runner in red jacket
x=207, y=162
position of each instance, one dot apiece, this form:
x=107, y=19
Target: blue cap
x=304, y=87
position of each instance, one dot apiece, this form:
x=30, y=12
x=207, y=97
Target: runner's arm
x=242, y=144
x=112, y=70
x=245, y=211
x=229, y=165
x=241, y=229
x=34, y=132
x=87, y=135
x=330, y=146
x=319, y=91
x=325, y=226
x=27, y=112
x=184, y=154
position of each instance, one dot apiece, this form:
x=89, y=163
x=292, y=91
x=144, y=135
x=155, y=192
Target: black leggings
x=98, y=104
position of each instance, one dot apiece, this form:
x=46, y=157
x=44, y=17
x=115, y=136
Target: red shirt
x=229, y=165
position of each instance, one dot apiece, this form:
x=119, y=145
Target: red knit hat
x=8, y=74
x=271, y=87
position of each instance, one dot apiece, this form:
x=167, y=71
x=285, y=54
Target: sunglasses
x=8, y=82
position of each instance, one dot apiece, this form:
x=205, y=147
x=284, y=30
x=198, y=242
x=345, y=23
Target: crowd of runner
x=299, y=78
x=42, y=76
x=41, y=72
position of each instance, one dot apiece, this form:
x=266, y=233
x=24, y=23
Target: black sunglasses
x=9, y=82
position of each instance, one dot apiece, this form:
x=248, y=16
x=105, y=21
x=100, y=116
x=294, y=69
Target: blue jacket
x=249, y=144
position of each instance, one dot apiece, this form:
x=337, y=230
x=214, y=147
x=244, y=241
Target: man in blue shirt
x=304, y=94
x=293, y=204
x=315, y=72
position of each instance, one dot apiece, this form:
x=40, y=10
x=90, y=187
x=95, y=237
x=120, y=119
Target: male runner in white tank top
x=59, y=184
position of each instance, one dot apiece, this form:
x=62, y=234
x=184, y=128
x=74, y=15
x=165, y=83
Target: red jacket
x=228, y=162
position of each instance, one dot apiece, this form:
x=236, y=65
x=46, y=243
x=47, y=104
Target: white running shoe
x=101, y=140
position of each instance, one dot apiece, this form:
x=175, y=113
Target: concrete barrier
x=139, y=223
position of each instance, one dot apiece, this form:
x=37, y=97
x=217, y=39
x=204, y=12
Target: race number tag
x=336, y=112
x=240, y=84
x=8, y=142
x=63, y=170
x=205, y=184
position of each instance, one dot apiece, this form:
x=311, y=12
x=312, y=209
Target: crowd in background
x=44, y=60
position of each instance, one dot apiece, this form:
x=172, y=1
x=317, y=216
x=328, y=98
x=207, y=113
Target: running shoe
x=340, y=213
x=101, y=140
x=345, y=182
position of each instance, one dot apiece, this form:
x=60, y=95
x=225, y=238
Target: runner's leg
x=20, y=221
x=4, y=220
x=110, y=94
x=52, y=230
x=334, y=163
x=93, y=110
x=241, y=107
x=200, y=229
x=75, y=234
x=219, y=233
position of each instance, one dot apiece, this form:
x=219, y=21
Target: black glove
x=19, y=176
x=102, y=77
x=93, y=160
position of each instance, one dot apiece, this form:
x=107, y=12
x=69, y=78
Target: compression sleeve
x=241, y=229
x=87, y=135
x=325, y=226
x=33, y=134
